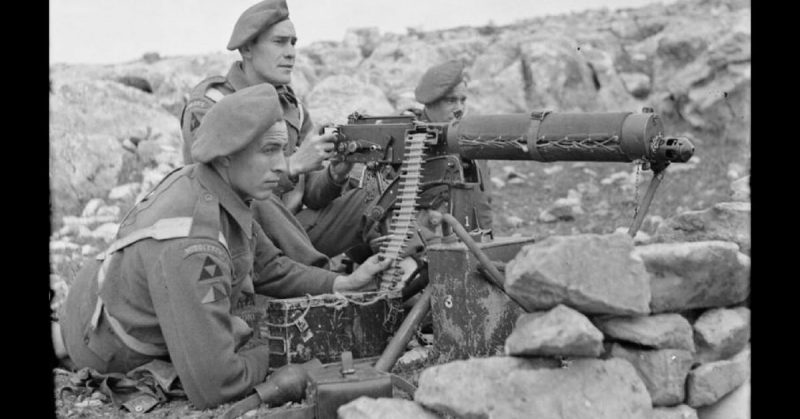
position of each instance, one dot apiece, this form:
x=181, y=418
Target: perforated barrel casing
x=556, y=136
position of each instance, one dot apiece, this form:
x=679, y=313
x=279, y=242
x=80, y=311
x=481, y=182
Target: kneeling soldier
x=188, y=252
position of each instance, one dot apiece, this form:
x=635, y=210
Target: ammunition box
x=471, y=316
x=323, y=326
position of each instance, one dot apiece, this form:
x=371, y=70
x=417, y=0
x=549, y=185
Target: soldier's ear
x=222, y=161
x=245, y=51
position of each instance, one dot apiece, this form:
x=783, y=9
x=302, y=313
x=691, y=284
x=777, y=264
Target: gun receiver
x=539, y=136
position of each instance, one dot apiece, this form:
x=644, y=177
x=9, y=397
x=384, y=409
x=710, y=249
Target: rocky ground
x=111, y=140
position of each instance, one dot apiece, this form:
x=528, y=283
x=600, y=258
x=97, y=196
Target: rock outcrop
x=689, y=61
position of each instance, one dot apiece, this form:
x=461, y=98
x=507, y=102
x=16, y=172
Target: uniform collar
x=238, y=80
x=236, y=76
x=236, y=207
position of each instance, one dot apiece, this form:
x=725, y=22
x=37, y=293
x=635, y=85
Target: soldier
x=332, y=221
x=443, y=91
x=188, y=252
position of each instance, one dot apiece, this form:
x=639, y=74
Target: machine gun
x=402, y=156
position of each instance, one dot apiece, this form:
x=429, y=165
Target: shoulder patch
x=204, y=248
x=210, y=269
x=211, y=286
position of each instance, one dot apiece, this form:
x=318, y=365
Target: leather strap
x=165, y=228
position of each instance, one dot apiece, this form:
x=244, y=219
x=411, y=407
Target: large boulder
x=170, y=78
x=721, y=333
x=396, y=65
x=509, y=77
x=561, y=331
x=385, y=408
x=659, y=331
x=663, y=371
x=516, y=387
x=727, y=221
x=89, y=121
x=336, y=97
x=589, y=272
x=702, y=69
x=82, y=167
x=695, y=275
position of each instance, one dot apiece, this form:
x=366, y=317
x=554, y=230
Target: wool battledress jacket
x=183, y=258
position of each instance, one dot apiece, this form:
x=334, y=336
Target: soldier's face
x=253, y=172
x=452, y=106
x=272, y=53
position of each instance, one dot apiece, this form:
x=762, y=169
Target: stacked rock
x=684, y=325
x=553, y=365
x=618, y=330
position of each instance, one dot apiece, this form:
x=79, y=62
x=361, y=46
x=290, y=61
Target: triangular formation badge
x=210, y=269
x=214, y=293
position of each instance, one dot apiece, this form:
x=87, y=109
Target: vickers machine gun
x=403, y=156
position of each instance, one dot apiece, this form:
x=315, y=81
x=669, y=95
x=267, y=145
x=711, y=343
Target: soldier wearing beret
x=331, y=220
x=443, y=92
x=188, y=252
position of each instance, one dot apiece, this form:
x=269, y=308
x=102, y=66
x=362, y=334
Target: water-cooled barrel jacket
x=320, y=189
x=179, y=292
x=470, y=201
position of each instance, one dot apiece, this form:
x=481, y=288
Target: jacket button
x=207, y=197
x=86, y=339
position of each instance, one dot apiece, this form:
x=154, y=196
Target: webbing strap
x=131, y=342
x=166, y=228
x=214, y=94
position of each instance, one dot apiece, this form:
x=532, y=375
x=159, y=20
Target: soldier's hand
x=362, y=278
x=340, y=169
x=376, y=243
x=309, y=156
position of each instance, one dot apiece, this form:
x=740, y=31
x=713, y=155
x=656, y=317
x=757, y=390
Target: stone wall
x=616, y=329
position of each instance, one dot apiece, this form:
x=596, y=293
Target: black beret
x=236, y=120
x=255, y=19
x=438, y=80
